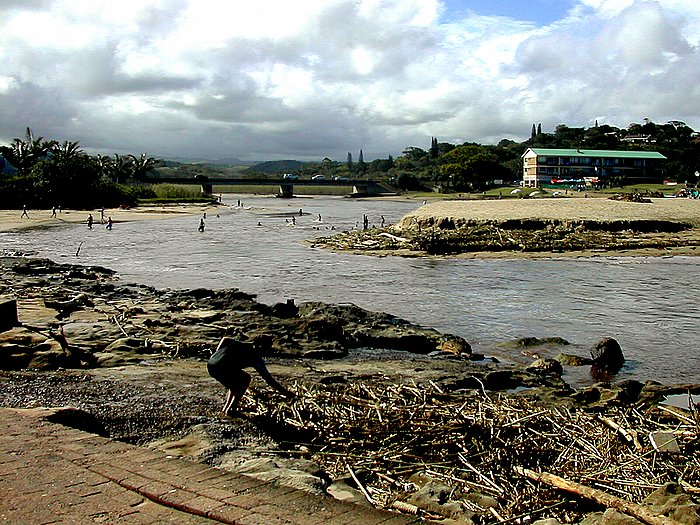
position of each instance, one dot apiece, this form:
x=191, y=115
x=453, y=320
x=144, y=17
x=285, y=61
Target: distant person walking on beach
x=53, y=212
x=102, y=215
x=228, y=361
x=109, y=223
x=201, y=225
x=90, y=220
x=24, y=212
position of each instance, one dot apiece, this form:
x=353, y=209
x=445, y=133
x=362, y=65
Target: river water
x=650, y=305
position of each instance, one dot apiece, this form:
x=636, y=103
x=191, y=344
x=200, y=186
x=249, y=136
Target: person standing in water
x=201, y=225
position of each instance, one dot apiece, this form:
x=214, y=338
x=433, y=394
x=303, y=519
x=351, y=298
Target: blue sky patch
x=542, y=12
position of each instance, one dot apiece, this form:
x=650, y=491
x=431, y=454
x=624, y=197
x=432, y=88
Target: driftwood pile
x=497, y=236
x=480, y=442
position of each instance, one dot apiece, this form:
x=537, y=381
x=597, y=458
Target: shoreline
x=11, y=220
x=401, y=420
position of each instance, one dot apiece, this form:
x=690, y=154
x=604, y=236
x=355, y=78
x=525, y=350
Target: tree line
x=45, y=173
x=472, y=166
x=48, y=173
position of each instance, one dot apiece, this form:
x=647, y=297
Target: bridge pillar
x=286, y=191
x=207, y=189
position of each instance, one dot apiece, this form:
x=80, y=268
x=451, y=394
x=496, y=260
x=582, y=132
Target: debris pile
x=398, y=441
x=527, y=236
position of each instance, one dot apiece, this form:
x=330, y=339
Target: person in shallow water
x=228, y=361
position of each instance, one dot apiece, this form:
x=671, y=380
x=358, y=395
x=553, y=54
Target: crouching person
x=227, y=363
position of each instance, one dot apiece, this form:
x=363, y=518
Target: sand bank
x=598, y=209
x=507, y=228
x=12, y=220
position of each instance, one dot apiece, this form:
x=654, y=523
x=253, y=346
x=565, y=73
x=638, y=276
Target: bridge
x=364, y=187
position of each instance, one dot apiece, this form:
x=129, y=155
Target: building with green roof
x=581, y=167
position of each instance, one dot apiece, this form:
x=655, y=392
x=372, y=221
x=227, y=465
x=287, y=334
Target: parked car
x=318, y=177
x=341, y=178
x=290, y=176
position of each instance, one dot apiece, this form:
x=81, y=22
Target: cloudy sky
x=278, y=79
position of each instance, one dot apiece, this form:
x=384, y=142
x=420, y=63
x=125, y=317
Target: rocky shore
x=387, y=413
x=535, y=228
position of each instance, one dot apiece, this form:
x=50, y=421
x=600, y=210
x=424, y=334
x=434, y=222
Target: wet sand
x=12, y=220
x=599, y=209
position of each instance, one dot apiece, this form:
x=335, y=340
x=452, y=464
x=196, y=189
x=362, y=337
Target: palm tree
x=121, y=168
x=68, y=151
x=141, y=166
x=28, y=152
x=105, y=165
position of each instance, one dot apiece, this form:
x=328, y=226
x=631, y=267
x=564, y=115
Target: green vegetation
x=50, y=174
x=43, y=173
x=263, y=189
x=470, y=167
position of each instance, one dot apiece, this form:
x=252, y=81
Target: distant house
x=577, y=167
x=5, y=167
x=639, y=139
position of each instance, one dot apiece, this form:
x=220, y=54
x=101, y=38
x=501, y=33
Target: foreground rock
x=73, y=317
x=401, y=413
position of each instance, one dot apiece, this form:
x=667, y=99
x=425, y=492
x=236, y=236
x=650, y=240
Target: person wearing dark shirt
x=226, y=366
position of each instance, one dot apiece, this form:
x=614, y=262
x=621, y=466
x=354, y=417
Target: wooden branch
x=361, y=487
x=629, y=435
x=640, y=512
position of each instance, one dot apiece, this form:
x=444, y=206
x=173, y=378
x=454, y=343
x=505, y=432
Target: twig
x=361, y=486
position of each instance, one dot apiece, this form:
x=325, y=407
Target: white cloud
x=270, y=79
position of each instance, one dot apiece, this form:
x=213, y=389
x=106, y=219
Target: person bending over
x=227, y=363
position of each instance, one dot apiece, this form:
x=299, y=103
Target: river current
x=650, y=305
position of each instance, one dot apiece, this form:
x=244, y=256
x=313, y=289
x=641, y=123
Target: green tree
x=470, y=167
x=25, y=153
x=141, y=166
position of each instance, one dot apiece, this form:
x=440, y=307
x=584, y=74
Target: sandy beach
x=598, y=209
x=12, y=220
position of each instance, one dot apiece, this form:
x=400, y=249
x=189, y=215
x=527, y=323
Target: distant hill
x=210, y=162
x=276, y=166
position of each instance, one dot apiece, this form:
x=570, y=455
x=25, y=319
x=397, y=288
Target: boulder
x=607, y=355
x=501, y=380
x=454, y=345
x=533, y=342
x=437, y=497
x=345, y=488
x=343, y=492
x=50, y=355
x=300, y=474
x=546, y=367
x=573, y=360
x=14, y=356
x=670, y=500
x=628, y=391
x=8, y=314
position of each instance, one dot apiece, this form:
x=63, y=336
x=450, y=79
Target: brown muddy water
x=650, y=305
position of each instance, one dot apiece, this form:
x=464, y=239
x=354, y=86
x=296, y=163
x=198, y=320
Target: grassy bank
x=274, y=189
